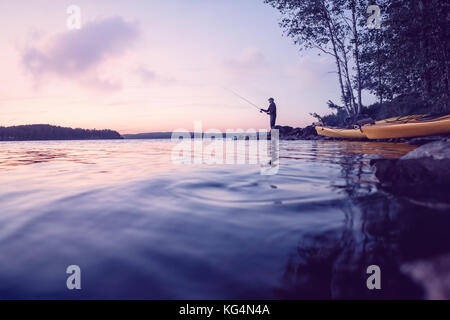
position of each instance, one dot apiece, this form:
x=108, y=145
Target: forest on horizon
x=49, y=132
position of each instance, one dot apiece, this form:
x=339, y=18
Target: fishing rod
x=246, y=100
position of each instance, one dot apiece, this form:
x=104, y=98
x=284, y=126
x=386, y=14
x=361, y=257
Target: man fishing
x=272, y=111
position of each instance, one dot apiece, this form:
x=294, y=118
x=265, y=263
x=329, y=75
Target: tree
x=331, y=27
x=408, y=56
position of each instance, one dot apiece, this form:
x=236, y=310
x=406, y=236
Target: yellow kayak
x=340, y=133
x=404, y=127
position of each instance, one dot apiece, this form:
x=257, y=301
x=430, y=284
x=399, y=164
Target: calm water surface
x=140, y=226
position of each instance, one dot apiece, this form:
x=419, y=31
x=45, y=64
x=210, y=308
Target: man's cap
x=271, y=99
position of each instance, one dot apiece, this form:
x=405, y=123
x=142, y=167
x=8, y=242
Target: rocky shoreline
x=310, y=133
x=306, y=133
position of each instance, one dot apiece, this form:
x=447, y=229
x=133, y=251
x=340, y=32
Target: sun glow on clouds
x=77, y=55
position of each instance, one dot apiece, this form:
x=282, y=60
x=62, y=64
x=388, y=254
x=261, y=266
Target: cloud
x=77, y=54
x=150, y=76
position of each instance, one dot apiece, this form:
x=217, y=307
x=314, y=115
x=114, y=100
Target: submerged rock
x=433, y=275
x=423, y=173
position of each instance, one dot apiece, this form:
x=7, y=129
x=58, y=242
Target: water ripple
x=140, y=226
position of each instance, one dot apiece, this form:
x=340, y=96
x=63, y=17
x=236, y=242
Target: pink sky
x=141, y=66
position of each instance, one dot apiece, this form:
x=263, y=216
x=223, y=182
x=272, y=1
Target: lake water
x=140, y=226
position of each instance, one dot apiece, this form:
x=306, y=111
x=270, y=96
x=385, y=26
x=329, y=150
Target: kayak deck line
x=340, y=133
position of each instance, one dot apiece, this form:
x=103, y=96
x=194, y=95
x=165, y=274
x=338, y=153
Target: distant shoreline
x=55, y=133
x=36, y=140
x=168, y=135
x=46, y=132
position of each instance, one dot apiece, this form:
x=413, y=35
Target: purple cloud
x=77, y=53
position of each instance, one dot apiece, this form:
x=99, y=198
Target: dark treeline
x=403, y=60
x=48, y=132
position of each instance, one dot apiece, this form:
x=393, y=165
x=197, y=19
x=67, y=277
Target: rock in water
x=310, y=132
x=439, y=150
x=290, y=133
x=423, y=174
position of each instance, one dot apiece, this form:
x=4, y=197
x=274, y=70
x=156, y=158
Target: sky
x=155, y=65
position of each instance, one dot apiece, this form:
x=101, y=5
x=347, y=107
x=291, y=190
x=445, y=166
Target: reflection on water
x=142, y=227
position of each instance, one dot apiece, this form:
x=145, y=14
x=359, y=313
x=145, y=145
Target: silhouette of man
x=272, y=111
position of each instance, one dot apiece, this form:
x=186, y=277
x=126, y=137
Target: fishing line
x=246, y=100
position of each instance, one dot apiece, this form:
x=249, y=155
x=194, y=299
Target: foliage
x=399, y=106
x=405, y=63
